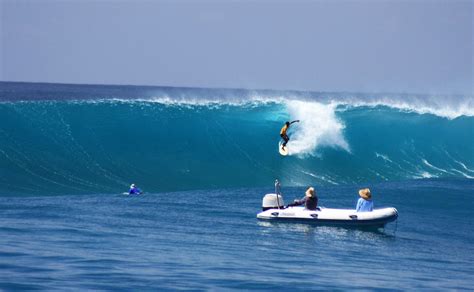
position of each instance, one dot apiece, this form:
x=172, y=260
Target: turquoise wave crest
x=103, y=145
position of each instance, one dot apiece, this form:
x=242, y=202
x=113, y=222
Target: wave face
x=57, y=139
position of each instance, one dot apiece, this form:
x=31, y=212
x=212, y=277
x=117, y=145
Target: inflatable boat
x=273, y=209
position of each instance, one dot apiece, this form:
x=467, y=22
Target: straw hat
x=310, y=192
x=365, y=194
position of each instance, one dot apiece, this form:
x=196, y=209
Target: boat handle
x=353, y=217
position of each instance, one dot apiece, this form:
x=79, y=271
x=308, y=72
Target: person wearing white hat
x=365, y=202
x=134, y=190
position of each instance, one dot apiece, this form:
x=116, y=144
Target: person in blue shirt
x=134, y=190
x=365, y=202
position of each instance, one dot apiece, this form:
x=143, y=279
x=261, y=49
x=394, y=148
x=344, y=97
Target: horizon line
x=236, y=88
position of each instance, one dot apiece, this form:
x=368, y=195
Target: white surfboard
x=283, y=151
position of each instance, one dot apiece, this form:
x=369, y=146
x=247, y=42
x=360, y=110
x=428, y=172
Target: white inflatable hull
x=328, y=216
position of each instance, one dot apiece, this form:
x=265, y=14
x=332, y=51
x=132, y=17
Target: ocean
x=205, y=158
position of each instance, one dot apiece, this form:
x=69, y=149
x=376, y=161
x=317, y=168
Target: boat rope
x=396, y=226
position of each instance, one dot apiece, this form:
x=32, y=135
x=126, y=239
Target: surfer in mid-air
x=283, y=133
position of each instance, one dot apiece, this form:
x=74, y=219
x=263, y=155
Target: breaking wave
x=84, y=139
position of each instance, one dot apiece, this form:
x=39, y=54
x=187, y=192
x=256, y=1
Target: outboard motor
x=272, y=201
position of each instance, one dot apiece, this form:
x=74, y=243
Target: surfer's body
x=283, y=132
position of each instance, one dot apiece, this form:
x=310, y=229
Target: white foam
x=464, y=166
x=318, y=127
x=450, y=107
x=425, y=174
x=384, y=157
x=462, y=173
x=166, y=100
x=429, y=105
x=322, y=177
x=434, y=167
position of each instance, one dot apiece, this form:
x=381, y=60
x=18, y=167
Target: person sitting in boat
x=134, y=190
x=310, y=200
x=365, y=202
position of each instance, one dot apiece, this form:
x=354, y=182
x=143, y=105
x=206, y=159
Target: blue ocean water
x=205, y=158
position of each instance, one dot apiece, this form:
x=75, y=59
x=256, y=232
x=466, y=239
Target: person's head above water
x=287, y=123
x=132, y=186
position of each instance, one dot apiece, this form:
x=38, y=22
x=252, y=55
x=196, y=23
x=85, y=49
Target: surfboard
x=284, y=151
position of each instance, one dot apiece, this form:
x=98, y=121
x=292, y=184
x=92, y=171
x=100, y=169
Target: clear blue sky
x=365, y=46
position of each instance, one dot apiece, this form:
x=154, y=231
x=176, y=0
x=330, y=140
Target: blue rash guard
x=134, y=191
x=364, y=205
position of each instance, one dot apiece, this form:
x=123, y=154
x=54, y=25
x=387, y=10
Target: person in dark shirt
x=310, y=200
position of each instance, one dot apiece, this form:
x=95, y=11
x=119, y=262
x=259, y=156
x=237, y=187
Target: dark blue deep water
x=205, y=158
x=212, y=240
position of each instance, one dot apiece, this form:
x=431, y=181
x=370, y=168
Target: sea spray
x=318, y=126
